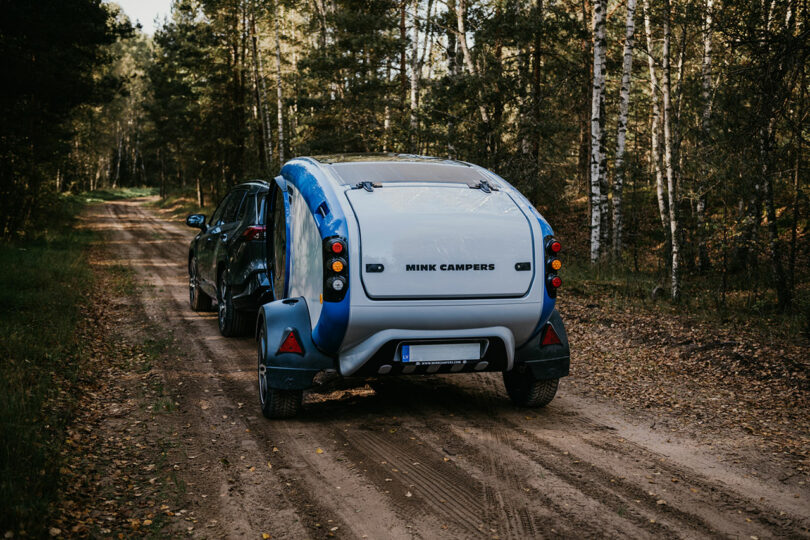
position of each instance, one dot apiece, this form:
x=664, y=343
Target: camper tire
x=275, y=403
x=526, y=391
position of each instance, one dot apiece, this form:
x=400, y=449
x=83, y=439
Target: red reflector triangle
x=290, y=345
x=551, y=337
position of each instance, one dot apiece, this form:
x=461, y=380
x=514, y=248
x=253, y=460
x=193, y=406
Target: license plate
x=442, y=353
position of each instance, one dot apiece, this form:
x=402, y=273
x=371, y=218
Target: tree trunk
x=671, y=161
x=583, y=160
x=663, y=210
x=200, y=195
x=279, y=94
x=624, y=104
x=162, y=174
x=705, y=130
x=797, y=184
x=118, y=160
x=461, y=16
x=261, y=93
x=452, y=69
x=415, y=69
x=535, y=102
x=403, y=46
x=597, y=126
x=782, y=289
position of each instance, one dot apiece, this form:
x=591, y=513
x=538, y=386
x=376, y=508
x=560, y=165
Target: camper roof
x=378, y=168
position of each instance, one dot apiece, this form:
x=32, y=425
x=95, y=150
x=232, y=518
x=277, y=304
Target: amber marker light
x=337, y=266
x=556, y=264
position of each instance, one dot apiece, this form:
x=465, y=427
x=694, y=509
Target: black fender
x=546, y=361
x=290, y=371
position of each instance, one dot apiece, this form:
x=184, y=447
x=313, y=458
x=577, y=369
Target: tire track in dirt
x=693, y=512
x=472, y=464
x=228, y=364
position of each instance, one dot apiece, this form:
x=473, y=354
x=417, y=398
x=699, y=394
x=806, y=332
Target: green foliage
x=51, y=67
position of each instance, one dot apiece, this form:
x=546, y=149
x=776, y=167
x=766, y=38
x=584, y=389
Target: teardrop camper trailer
x=386, y=265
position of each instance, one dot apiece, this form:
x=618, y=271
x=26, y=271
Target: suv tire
x=526, y=391
x=232, y=323
x=198, y=300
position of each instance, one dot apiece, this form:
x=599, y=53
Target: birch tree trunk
x=670, y=160
x=663, y=210
x=461, y=15
x=597, y=126
x=705, y=128
x=621, y=136
x=279, y=94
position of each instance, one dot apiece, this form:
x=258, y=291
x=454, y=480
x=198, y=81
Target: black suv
x=226, y=260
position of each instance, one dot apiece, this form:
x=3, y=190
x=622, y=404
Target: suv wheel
x=275, y=403
x=232, y=323
x=526, y=391
x=198, y=300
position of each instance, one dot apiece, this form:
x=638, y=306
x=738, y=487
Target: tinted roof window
x=392, y=171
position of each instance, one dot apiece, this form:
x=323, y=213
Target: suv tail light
x=254, y=232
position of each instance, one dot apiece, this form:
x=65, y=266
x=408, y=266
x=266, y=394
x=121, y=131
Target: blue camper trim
x=323, y=203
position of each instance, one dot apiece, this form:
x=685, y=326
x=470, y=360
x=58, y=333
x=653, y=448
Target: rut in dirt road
x=433, y=457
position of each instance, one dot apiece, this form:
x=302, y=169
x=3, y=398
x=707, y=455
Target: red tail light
x=337, y=247
x=254, y=232
x=555, y=282
x=555, y=247
x=290, y=344
x=550, y=337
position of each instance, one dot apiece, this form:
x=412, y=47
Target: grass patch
x=102, y=195
x=181, y=204
x=43, y=284
x=45, y=281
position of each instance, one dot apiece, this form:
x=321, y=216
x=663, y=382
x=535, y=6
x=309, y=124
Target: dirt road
x=438, y=457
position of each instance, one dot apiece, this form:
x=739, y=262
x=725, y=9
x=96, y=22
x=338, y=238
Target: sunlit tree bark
x=597, y=126
x=621, y=136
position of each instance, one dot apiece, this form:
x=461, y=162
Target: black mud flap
x=289, y=370
x=550, y=361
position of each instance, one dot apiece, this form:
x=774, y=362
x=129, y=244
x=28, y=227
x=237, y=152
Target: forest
x=665, y=139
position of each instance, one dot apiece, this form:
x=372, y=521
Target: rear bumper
x=253, y=293
x=379, y=352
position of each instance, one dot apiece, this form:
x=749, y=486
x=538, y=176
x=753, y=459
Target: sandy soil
x=432, y=457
